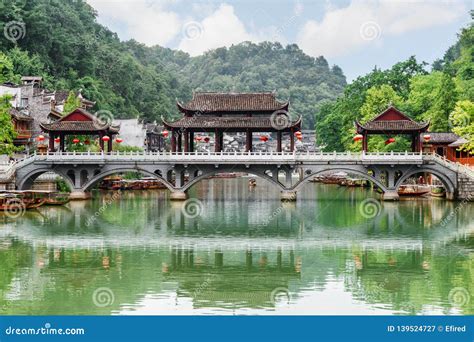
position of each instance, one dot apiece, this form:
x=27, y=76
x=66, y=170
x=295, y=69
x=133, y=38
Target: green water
x=241, y=252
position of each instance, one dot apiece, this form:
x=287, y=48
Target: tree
x=462, y=121
x=7, y=131
x=443, y=105
x=6, y=68
x=72, y=103
x=377, y=100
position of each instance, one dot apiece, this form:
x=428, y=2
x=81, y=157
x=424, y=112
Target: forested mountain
x=64, y=43
x=444, y=96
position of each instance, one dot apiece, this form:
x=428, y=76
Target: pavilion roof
x=208, y=102
x=227, y=122
x=79, y=120
x=391, y=120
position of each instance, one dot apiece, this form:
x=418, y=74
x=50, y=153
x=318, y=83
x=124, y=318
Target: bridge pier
x=450, y=196
x=79, y=195
x=288, y=196
x=391, y=195
x=178, y=196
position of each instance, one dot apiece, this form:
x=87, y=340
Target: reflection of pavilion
x=248, y=279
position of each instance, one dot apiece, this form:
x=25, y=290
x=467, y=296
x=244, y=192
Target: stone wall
x=465, y=188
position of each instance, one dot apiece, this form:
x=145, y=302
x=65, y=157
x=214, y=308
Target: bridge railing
x=230, y=156
x=453, y=165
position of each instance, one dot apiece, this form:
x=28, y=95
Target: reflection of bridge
x=179, y=171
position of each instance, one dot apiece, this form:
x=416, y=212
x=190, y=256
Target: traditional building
x=447, y=145
x=392, y=122
x=79, y=122
x=33, y=101
x=216, y=113
x=22, y=124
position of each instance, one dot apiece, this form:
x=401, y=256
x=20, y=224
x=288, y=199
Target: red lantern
x=87, y=142
x=165, y=133
x=40, y=137
x=298, y=133
x=105, y=138
x=57, y=140
x=299, y=137
x=358, y=137
x=389, y=141
x=427, y=137
x=198, y=138
x=75, y=141
x=119, y=140
x=263, y=138
x=207, y=139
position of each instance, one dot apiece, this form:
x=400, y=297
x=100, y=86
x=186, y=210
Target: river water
x=232, y=249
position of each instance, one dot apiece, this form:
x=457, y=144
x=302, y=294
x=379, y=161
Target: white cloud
x=146, y=21
x=221, y=28
x=343, y=30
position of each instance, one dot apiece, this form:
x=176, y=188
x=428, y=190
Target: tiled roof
x=66, y=125
x=207, y=122
x=394, y=125
x=232, y=102
x=19, y=115
x=442, y=137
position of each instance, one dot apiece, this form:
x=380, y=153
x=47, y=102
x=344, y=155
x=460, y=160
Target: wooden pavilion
x=231, y=112
x=393, y=122
x=79, y=122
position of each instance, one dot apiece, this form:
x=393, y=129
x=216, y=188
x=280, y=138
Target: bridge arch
x=26, y=182
x=447, y=182
x=98, y=177
x=255, y=173
x=364, y=175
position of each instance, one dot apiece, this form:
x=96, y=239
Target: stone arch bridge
x=179, y=171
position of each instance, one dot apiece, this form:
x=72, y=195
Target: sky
x=356, y=35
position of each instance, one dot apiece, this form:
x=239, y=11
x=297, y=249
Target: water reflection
x=316, y=256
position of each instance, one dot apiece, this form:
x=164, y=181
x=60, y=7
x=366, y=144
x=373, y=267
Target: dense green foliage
x=444, y=97
x=64, y=44
x=7, y=131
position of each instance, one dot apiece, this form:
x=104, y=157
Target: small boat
x=16, y=200
x=438, y=191
x=110, y=183
x=224, y=175
x=413, y=190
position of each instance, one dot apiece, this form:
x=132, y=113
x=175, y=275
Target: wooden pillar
x=217, y=141
x=221, y=140
x=173, y=141
x=365, y=143
x=248, y=141
x=279, y=141
x=51, y=142
x=186, y=141
x=109, y=143
x=101, y=142
x=179, y=137
x=292, y=141
x=191, y=141
x=61, y=142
